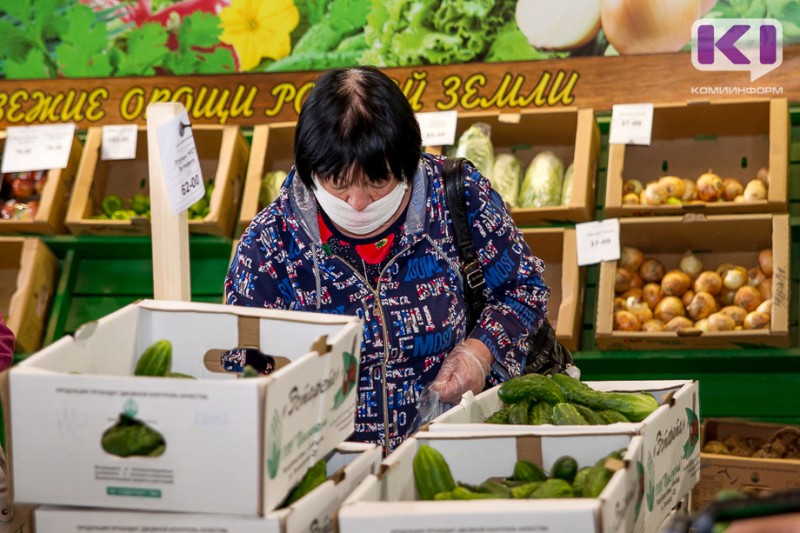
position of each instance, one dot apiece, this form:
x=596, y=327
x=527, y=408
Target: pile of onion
x=650, y=297
x=709, y=187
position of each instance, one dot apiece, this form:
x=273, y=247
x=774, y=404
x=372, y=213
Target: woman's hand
x=465, y=368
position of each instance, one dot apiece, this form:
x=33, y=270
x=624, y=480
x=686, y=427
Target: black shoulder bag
x=545, y=354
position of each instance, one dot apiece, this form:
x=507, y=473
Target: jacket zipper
x=376, y=293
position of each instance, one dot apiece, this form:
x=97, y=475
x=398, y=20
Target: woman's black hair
x=356, y=125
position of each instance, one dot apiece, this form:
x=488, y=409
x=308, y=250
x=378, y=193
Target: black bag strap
x=545, y=354
x=470, y=267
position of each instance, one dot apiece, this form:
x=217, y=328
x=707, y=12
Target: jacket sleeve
x=6, y=345
x=256, y=271
x=516, y=294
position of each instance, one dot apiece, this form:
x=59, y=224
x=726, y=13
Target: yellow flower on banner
x=258, y=28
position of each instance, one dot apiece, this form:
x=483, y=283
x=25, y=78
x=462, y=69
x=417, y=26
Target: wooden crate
x=272, y=148
x=28, y=272
x=49, y=217
x=735, y=239
x=223, y=155
x=558, y=249
x=731, y=139
x=571, y=134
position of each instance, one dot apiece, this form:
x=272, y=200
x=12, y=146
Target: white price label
x=597, y=241
x=37, y=147
x=180, y=163
x=119, y=142
x=631, y=124
x=438, y=128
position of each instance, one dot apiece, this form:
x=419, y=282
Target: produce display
x=20, y=193
x=545, y=183
x=566, y=479
x=270, y=187
x=650, y=297
x=113, y=207
x=784, y=444
x=707, y=188
x=560, y=400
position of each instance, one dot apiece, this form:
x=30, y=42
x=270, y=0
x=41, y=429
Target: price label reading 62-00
x=189, y=185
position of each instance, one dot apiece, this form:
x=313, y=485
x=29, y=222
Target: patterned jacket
x=416, y=313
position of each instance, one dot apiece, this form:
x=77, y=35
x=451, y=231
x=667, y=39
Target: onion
x=675, y=283
x=668, y=308
x=648, y=26
x=634, y=293
x=735, y=278
x=689, y=190
x=755, y=191
x=619, y=304
x=678, y=323
x=709, y=282
x=765, y=307
x=701, y=306
x=723, y=268
x=756, y=320
x=651, y=294
x=755, y=276
x=765, y=289
x=702, y=324
x=640, y=309
x=654, y=194
x=673, y=185
x=636, y=280
x=720, y=322
x=691, y=264
x=632, y=186
x=725, y=296
x=731, y=188
x=622, y=281
x=652, y=270
x=626, y=321
x=630, y=258
x=748, y=297
x=631, y=199
x=686, y=297
x=552, y=25
x=653, y=325
x=765, y=261
x=763, y=175
x=735, y=312
x=709, y=187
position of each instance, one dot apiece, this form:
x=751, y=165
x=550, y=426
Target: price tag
x=119, y=142
x=631, y=124
x=438, y=128
x=37, y=147
x=597, y=241
x=180, y=163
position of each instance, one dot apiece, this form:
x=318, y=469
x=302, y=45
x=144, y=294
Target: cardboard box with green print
x=214, y=444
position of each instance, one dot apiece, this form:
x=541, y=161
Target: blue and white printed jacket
x=416, y=313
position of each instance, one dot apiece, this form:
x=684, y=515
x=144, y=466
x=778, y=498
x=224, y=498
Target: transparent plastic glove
x=429, y=407
x=462, y=370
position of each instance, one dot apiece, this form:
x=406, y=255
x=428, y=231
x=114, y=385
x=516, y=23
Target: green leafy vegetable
x=197, y=31
x=83, y=50
x=147, y=49
x=415, y=32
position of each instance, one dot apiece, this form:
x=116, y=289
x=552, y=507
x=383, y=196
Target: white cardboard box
x=670, y=453
x=386, y=502
x=232, y=446
x=348, y=465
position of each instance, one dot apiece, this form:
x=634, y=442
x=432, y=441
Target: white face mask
x=363, y=222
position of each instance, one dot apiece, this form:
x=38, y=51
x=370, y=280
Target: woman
x=361, y=227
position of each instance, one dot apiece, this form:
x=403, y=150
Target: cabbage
x=566, y=188
x=476, y=145
x=270, y=187
x=506, y=175
x=543, y=181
